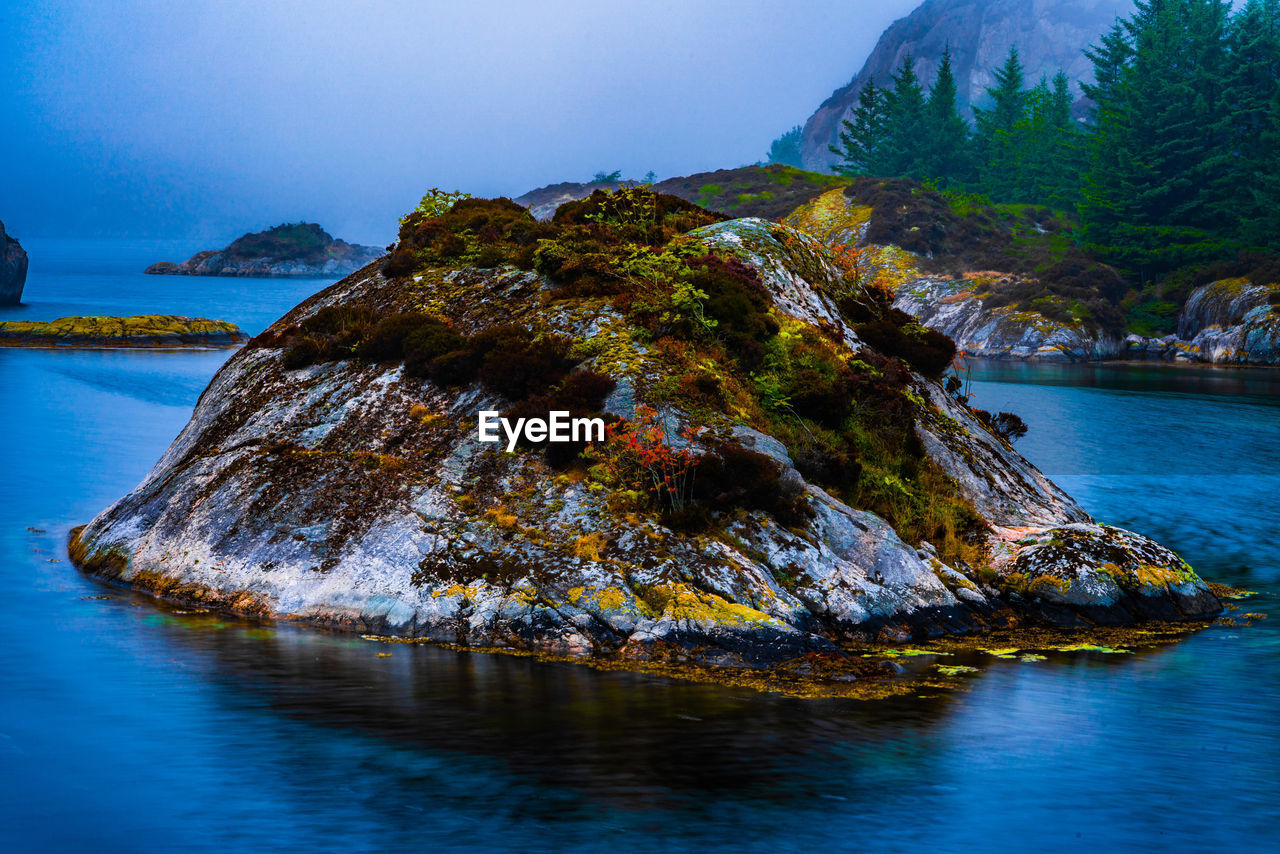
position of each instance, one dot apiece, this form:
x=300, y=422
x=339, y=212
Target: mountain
x=1050, y=35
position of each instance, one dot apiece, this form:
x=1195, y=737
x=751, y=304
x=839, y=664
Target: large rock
x=300, y=250
x=1050, y=35
x=1230, y=321
x=349, y=494
x=13, y=269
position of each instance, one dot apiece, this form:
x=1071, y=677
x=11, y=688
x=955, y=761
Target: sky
x=194, y=119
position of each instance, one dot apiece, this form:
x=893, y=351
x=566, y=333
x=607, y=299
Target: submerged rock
x=301, y=250
x=142, y=330
x=354, y=491
x=13, y=269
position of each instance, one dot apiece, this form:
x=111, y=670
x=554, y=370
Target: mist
x=156, y=119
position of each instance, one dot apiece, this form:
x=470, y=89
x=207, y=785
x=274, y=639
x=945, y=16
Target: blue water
x=127, y=725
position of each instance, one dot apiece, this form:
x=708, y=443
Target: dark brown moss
x=900, y=335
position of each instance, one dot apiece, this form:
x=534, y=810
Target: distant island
x=142, y=330
x=295, y=250
x=13, y=269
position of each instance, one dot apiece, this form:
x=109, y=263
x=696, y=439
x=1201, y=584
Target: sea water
x=127, y=724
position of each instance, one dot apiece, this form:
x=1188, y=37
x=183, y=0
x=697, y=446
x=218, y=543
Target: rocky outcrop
x=354, y=492
x=1228, y=322
x=163, y=331
x=13, y=269
x=963, y=306
x=302, y=250
x=1050, y=35
x=955, y=307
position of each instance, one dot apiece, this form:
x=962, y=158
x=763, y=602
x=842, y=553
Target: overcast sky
x=186, y=118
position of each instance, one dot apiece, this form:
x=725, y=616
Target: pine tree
x=906, y=147
x=786, y=148
x=862, y=140
x=1160, y=136
x=994, y=128
x=1250, y=165
x=948, y=159
x=1262, y=225
x=1107, y=202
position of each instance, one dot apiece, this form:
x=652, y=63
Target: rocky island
x=156, y=331
x=13, y=269
x=784, y=474
x=298, y=250
x=1006, y=282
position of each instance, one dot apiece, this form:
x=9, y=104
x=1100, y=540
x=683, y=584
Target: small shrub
x=385, y=341
x=430, y=341
x=902, y=336
x=733, y=477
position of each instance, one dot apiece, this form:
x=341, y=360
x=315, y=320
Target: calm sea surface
x=125, y=725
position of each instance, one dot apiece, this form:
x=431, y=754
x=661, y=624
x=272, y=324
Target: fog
x=207, y=119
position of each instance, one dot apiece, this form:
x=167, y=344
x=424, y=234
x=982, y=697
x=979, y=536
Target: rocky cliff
x=300, y=250
x=763, y=494
x=957, y=308
x=1050, y=36
x=13, y=269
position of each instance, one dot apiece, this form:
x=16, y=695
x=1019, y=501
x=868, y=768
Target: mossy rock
x=141, y=330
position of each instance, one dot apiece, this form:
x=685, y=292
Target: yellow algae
x=1090, y=647
x=682, y=602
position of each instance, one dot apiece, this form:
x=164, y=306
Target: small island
x=292, y=250
x=140, y=331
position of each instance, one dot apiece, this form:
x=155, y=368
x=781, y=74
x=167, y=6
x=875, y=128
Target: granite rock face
x=349, y=494
x=13, y=269
x=1050, y=36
